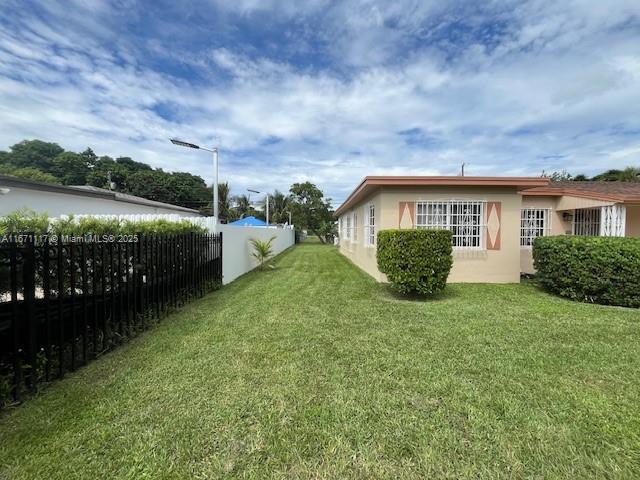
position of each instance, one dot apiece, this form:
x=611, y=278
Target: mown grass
x=312, y=370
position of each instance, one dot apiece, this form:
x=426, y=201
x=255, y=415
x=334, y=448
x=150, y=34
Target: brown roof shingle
x=615, y=191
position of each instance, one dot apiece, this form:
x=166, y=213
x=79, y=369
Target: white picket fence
x=237, y=256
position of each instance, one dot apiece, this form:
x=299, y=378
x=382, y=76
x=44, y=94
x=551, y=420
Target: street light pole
x=267, y=202
x=215, y=184
x=214, y=151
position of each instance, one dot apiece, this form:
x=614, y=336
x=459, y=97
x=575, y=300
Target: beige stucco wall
x=364, y=256
x=632, y=227
x=494, y=266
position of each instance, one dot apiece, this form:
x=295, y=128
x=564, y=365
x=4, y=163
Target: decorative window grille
x=354, y=237
x=347, y=235
x=341, y=226
x=534, y=222
x=586, y=222
x=465, y=219
x=370, y=225
x=613, y=221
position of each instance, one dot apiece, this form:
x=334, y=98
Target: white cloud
x=554, y=86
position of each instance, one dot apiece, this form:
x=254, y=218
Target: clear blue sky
x=328, y=91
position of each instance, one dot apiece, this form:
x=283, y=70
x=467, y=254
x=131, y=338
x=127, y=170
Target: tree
x=558, y=176
x=279, y=207
x=28, y=173
x=35, y=154
x=243, y=206
x=629, y=174
x=104, y=168
x=225, y=212
x=262, y=250
x=311, y=211
x=71, y=168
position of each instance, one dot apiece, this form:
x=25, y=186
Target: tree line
x=50, y=163
x=629, y=174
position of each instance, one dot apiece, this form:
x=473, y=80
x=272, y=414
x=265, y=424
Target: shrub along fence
x=66, y=302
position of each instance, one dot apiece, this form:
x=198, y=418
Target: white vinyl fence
x=236, y=249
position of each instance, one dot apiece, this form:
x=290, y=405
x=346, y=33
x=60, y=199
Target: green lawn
x=313, y=370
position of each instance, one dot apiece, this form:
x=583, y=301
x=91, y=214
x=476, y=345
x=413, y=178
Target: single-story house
x=494, y=220
x=56, y=200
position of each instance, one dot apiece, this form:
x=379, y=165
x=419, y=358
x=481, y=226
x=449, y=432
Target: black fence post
x=46, y=292
x=29, y=298
x=85, y=296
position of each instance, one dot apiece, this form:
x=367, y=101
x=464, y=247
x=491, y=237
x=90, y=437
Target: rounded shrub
x=602, y=270
x=415, y=261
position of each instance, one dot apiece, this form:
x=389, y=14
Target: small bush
x=602, y=270
x=415, y=261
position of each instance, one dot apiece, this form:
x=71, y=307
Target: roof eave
x=417, y=181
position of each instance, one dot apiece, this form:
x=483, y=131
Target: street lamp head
x=253, y=191
x=175, y=141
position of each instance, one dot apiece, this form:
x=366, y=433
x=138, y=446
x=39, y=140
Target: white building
x=57, y=200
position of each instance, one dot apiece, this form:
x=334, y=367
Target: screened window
x=533, y=223
x=347, y=235
x=354, y=237
x=370, y=225
x=586, y=222
x=464, y=219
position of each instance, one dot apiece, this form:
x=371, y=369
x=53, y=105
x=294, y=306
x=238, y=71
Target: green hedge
x=415, y=261
x=26, y=220
x=602, y=270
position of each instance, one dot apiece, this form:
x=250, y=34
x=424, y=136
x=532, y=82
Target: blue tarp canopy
x=249, y=222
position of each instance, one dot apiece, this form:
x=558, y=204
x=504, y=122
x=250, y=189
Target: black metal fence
x=64, y=303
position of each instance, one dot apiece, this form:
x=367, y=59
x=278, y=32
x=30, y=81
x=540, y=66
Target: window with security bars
x=370, y=225
x=586, y=222
x=533, y=223
x=465, y=219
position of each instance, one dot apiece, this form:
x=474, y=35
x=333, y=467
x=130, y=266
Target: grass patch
x=313, y=370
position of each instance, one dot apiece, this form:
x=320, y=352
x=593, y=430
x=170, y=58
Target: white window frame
x=354, y=233
x=450, y=214
x=369, y=225
x=539, y=225
x=347, y=235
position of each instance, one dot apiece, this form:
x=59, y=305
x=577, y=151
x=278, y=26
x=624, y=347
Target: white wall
x=236, y=249
x=57, y=204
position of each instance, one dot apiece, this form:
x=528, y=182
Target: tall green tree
x=71, y=168
x=279, y=207
x=629, y=174
x=311, y=211
x=28, y=173
x=243, y=206
x=35, y=154
x=225, y=209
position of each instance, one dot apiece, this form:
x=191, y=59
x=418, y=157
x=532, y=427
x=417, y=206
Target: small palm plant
x=262, y=250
